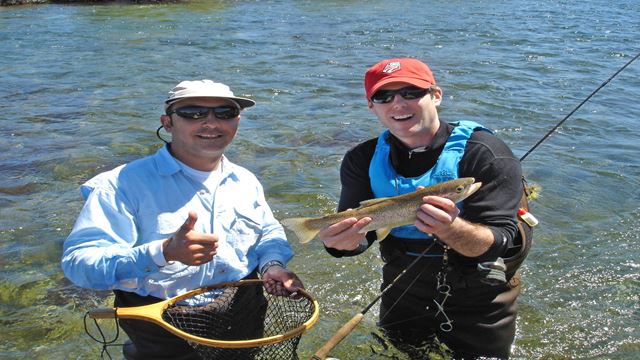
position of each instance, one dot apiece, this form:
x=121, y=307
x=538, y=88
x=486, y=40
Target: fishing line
x=579, y=106
x=403, y=293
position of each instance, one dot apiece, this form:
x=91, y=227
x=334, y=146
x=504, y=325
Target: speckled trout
x=385, y=213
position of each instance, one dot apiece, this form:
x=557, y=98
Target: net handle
x=102, y=313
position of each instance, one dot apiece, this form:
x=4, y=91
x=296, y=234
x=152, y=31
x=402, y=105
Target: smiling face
x=415, y=121
x=200, y=143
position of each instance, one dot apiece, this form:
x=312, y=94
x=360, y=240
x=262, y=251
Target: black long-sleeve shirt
x=486, y=158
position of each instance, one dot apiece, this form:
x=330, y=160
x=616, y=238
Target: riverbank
x=22, y=2
x=32, y=2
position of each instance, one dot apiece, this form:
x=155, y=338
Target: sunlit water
x=82, y=88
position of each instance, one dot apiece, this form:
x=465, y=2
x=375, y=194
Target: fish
x=386, y=213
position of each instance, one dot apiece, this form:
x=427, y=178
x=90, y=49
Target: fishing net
x=246, y=322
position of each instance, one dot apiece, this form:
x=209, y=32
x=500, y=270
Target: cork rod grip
x=337, y=337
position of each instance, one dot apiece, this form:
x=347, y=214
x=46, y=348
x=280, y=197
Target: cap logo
x=391, y=67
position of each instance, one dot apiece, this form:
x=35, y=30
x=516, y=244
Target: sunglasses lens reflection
x=199, y=112
x=408, y=93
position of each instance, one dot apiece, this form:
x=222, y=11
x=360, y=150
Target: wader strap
x=522, y=242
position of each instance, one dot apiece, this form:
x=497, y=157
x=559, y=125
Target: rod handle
x=337, y=337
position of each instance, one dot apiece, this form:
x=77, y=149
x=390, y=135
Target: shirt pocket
x=167, y=224
x=245, y=231
x=156, y=226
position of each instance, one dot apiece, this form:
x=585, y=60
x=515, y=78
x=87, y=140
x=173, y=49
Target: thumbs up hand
x=188, y=246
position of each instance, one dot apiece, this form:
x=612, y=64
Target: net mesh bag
x=241, y=313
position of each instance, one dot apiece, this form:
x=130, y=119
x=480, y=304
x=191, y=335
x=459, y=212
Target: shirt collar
x=168, y=165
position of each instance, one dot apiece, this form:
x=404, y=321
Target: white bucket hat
x=204, y=88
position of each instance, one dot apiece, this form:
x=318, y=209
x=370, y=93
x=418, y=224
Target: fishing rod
x=351, y=324
x=579, y=106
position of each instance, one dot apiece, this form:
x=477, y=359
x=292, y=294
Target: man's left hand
x=280, y=281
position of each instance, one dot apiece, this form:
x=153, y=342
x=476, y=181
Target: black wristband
x=269, y=264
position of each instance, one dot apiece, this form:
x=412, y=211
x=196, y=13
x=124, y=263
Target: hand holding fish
x=188, y=246
x=439, y=216
x=344, y=235
x=436, y=215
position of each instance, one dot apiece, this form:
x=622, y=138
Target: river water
x=82, y=88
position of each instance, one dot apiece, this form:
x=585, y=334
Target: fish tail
x=301, y=228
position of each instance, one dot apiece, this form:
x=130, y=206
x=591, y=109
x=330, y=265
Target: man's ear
x=436, y=95
x=166, y=122
x=369, y=104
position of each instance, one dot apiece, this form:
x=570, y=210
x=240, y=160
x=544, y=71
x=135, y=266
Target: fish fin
x=382, y=233
x=301, y=229
x=370, y=202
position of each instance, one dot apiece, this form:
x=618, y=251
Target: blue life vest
x=386, y=182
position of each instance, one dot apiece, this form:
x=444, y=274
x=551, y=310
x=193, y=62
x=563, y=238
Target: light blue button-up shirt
x=132, y=208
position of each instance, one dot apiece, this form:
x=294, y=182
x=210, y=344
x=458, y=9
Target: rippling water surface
x=82, y=89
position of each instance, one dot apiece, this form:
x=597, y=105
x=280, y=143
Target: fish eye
x=459, y=188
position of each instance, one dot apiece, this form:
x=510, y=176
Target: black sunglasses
x=408, y=93
x=195, y=112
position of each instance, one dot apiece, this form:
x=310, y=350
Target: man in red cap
x=464, y=287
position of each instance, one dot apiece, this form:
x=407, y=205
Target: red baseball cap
x=411, y=71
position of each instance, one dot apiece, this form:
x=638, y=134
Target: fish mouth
x=471, y=189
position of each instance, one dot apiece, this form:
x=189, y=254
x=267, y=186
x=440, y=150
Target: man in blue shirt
x=182, y=218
